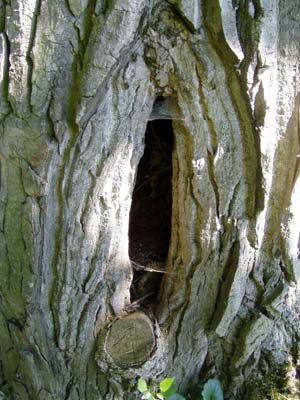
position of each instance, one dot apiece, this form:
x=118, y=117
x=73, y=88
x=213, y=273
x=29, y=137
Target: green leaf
x=142, y=385
x=212, y=390
x=160, y=396
x=168, y=387
x=147, y=395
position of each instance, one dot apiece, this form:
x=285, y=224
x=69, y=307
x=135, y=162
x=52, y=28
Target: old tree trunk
x=81, y=82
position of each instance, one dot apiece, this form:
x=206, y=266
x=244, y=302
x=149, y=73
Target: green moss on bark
x=272, y=381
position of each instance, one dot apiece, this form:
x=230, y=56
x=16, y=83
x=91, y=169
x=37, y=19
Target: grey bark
x=78, y=80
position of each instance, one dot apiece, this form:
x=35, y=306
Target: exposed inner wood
x=130, y=340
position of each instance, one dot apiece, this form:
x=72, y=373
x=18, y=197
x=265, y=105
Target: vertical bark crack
x=28, y=56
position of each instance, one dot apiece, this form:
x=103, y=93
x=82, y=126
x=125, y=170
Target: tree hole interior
x=151, y=209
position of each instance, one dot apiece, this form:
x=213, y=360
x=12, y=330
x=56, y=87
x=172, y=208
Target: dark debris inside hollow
x=151, y=210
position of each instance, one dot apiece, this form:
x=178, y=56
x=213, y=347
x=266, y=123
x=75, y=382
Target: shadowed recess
x=151, y=209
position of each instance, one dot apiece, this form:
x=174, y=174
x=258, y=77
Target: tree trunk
x=80, y=82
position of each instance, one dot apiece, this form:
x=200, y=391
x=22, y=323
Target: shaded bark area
x=78, y=83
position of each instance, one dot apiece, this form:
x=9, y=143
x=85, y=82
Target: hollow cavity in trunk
x=151, y=209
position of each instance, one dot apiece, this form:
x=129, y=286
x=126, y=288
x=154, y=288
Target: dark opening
x=151, y=209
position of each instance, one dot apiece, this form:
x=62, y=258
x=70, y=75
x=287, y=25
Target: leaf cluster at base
x=212, y=390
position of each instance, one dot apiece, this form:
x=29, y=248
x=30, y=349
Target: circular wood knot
x=130, y=340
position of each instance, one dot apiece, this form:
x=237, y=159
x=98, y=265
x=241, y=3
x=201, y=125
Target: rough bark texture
x=78, y=79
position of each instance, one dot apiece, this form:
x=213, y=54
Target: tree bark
x=78, y=83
